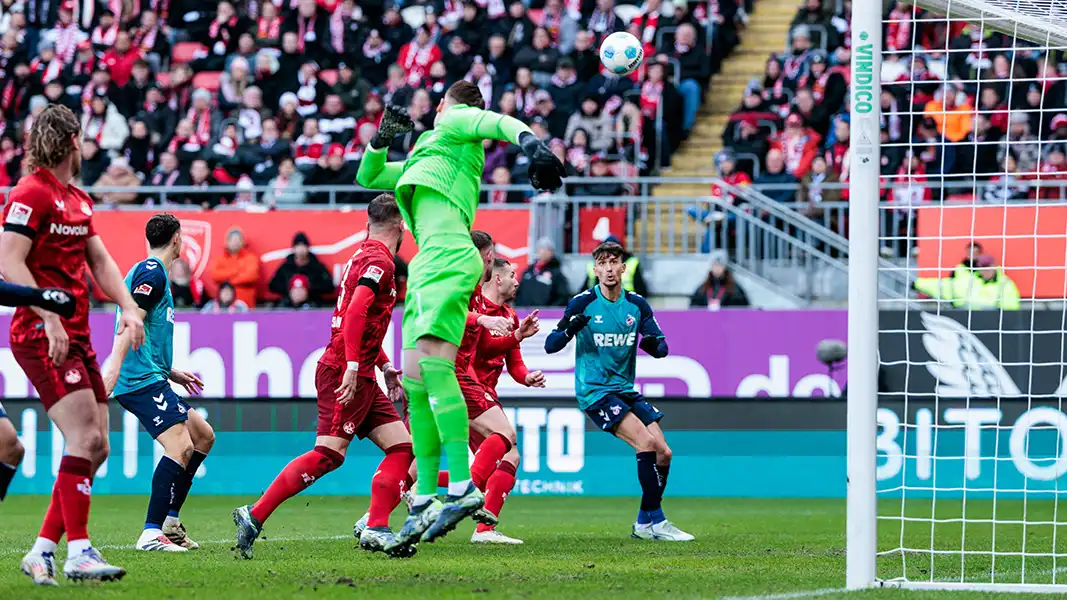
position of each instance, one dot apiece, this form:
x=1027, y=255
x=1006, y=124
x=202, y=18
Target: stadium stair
x=765, y=34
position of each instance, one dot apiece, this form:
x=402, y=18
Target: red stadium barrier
x=333, y=234
x=596, y=224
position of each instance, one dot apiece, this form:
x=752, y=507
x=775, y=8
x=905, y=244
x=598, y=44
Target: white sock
x=153, y=533
x=458, y=488
x=44, y=545
x=76, y=547
x=171, y=521
x=421, y=499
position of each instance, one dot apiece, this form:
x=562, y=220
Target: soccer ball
x=621, y=53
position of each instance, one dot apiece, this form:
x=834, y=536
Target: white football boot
x=664, y=531
x=492, y=536
x=153, y=540
x=40, y=567
x=89, y=565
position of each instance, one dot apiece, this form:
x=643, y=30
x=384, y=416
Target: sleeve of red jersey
x=369, y=281
x=27, y=210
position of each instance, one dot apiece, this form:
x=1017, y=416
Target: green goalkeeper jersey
x=450, y=159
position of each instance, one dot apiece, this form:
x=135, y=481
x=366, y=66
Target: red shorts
x=79, y=371
x=366, y=412
x=478, y=400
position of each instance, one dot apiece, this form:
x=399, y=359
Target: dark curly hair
x=49, y=142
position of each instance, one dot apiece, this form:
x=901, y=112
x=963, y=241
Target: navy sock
x=181, y=490
x=164, y=482
x=7, y=473
x=649, y=477
x=664, y=470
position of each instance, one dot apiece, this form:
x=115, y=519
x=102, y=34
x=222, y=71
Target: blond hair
x=48, y=143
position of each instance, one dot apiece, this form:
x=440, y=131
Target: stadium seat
x=536, y=15
x=209, y=80
x=414, y=15
x=627, y=12
x=186, y=51
x=329, y=76
x=163, y=79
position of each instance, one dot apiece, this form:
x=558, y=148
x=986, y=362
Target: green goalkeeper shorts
x=444, y=273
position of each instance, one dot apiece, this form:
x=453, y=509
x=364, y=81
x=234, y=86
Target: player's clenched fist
x=574, y=324
x=546, y=171
x=395, y=121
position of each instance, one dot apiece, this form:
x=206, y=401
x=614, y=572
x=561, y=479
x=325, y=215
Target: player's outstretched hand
x=529, y=326
x=395, y=121
x=393, y=387
x=57, y=301
x=497, y=326
x=347, y=391
x=546, y=171
x=574, y=324
x=192, y=384
x=58, y=342
x=535, y=379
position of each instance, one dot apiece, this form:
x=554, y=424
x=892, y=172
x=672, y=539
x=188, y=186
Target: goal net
x=957, y=430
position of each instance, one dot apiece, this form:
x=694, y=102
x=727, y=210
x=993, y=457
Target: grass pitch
x=575, y=548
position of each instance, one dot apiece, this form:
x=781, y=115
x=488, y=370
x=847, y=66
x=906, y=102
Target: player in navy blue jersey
x=605, y=321
x=140, y=380
x=52, y=300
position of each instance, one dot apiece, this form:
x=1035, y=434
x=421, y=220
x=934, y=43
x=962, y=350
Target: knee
x=11, y=451
x=645, y=443
x=181, y=451
x=512, y=456
x=663, y=454
x=204, y=440
x=96, y=445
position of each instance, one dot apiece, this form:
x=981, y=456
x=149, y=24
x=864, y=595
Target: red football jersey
x=59, y=219
x=488, y=370
x=471, y=334
x=372, y=261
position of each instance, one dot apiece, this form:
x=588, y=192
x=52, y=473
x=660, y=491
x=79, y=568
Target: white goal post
x=954, y=475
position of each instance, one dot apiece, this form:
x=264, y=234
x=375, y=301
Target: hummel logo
x=157, y=421
x=598, y=319
x=150, y=265
x=161, y=404
x=85, y=487
x=308, y=479
x=433, y=403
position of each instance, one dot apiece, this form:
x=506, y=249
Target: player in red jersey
x=48, y=241
x=350, y=402
x=489, y=360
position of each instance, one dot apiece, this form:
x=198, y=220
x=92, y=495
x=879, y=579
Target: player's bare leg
x=304, y=470
x=83, y=423
x=202, y=437
x=641, y=438
x=11, y=453
x=386, y=487
x=494, y=427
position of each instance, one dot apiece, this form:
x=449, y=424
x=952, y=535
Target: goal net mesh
x=972, y=433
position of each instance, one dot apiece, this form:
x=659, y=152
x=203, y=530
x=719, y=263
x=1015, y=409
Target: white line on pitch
x=790, y=595
x=266, y=540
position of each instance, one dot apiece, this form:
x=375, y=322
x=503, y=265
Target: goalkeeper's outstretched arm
x=375, y=173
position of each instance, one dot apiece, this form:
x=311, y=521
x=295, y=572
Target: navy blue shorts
x=609, y=411
x=156, y=406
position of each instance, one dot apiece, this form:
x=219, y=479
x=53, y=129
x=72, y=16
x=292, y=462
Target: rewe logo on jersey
x=60, y=229
x=611, y=340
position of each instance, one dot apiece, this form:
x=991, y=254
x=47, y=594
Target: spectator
x=798, y=145
x=817, y=189
x=495, y=156
x=951, y=111
x=287, y=187
x=543, y=282
x=221, y=37
x=1008, y=185
x=104, y=124
x=187, y=291
x=237, y=266
x=694, y=74
x=719, y=290
x=556, y=121
x=1022, y=143
x=813, y=113
x=135, y=91
x=65, y=36
x=794, y=65
x=332, y=170
x=517, y=27
x=417, y=56
x=633, y=277
x=200, y=177
x=335, y=121
x=566, y=90
x=585, y=56
x=227, y=301
x=540, y=57
x=748, y=139
x=151, y=39
x=991, y=289
x=596, y=122
x=310, y=146
x=268, y=26
x=501, y=176
x=296, y=297
x=157, y=115
x=203, y=118
x=817, y=20
x=560, y=25
x=302, y=263
x=94, y=162
x=599, y=166
x=232, y=84
x=776, y=174
x=168, y=173
x=603, y=21
x=578, y=151
x=716, y=215
x=79, y=70
x=106, y=31
x=118, y=175
x=120, y=58
x=138, y=149
x=351, y=88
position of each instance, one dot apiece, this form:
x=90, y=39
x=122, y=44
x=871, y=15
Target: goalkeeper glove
x=55, y=300
x=573, y=325
x=395, y=121
x=546, y=171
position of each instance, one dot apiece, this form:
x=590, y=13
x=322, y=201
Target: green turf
x=575, y=548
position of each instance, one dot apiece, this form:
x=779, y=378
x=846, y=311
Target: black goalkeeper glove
x=573, y=325
x=395, y=121
x=546, y=171
x=57, y=301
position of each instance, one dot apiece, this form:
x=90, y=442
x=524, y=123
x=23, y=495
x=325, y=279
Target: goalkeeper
x=437, y=188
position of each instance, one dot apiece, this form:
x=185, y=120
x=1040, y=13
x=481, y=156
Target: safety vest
x=966, y=289
x=627, y=276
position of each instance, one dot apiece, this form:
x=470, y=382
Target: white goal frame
x=1017, y=17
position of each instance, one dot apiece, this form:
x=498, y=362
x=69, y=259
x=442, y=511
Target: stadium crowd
x=961, y=109
x=286, y=93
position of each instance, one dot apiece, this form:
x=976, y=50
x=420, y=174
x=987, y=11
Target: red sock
x=387, y=482
x=300, y=473
x=75, y=493
x=442, y=479
x=487, y=458
x=52, y=528
x=497, y=490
